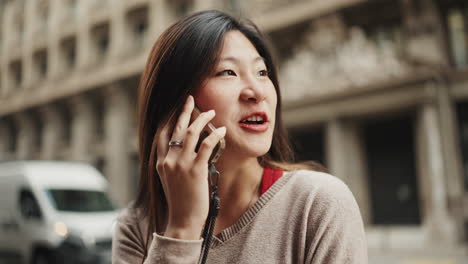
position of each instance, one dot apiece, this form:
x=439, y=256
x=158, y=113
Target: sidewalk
x=430, y=256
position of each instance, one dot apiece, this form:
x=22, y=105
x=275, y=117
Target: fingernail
x=212, y=111
x=222, y=130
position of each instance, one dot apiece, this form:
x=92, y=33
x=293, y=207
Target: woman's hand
x=184, y=173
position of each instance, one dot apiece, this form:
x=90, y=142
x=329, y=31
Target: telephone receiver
x=207, y=130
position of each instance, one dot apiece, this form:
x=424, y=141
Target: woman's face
x=243, y=97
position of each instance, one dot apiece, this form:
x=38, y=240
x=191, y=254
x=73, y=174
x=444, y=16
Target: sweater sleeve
x=128, y=247
x=336, y=226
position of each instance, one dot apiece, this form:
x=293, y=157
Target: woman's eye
x=263, y=73
x=226, y=73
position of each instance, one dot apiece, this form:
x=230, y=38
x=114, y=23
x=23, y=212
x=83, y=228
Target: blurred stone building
x=376, y=90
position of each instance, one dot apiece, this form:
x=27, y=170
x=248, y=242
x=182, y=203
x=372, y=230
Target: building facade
x=375, y=90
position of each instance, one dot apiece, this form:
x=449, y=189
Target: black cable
x=212, y=214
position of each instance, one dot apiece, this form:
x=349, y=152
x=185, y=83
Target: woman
x=270, y=211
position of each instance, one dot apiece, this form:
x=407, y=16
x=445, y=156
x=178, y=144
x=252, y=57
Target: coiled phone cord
x=212, y=213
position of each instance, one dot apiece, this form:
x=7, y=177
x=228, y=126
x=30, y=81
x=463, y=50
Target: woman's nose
x=253, y=90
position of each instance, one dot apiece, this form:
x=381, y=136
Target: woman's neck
x=238, y=188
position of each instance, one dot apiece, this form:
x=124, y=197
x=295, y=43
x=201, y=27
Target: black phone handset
x=207, y=130
x=213, y=177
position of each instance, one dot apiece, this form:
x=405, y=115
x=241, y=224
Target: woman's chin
x=246, y=150
x=255, y=150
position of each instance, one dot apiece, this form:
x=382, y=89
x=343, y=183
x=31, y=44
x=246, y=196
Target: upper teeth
x=255, y=118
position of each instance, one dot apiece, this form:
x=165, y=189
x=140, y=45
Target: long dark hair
x=180, y=60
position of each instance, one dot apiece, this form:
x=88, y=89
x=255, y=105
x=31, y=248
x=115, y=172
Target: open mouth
x=257, y=119
x=256, y=122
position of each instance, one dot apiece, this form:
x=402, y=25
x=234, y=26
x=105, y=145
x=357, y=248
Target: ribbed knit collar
x=250, y=214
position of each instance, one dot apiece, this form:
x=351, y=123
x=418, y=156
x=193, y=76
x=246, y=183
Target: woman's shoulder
x=320, y=187
x=316, y=180
x=332, y=217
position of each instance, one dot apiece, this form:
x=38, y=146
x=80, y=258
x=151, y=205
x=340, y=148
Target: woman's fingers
x=178, y=131
x=171, y=157
x=208, y=144
x=180, y=128
x=195, y=129
x=179, y=170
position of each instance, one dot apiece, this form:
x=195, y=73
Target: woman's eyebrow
x=237, y=61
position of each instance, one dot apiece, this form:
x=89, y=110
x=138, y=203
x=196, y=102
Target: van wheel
x=42, y=257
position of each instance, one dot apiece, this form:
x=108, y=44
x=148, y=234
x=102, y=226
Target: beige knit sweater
x=305, y=217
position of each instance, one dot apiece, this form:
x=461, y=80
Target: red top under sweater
x=270, y=176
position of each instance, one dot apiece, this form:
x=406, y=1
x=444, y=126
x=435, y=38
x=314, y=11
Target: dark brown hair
x=180, y=60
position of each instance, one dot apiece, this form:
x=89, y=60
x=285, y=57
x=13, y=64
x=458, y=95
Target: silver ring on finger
x=175, y=143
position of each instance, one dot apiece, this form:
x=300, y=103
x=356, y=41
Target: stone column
x=452, y=155
x=432, y=176
x=116, y=131
x=158, y=18
x=346, y=159
x=27, y=136
x=427, y=46
x=53, y=49
x=336, y=155
x=118, y=39
x=52, y=137
x=7, y=34
x=83, y=38
x=83, y=128
x=3, y=62
x=30, y=27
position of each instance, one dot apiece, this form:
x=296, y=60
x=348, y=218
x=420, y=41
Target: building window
x=40, y=64
x=391, y=166
x=137, y=21
x=13, y=135
x=308, y=144
x=16, y=73
x=462, y=111
x=100, y=38
x=457, y=21
x=68, y=52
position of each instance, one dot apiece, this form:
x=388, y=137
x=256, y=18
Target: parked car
x=54, y=212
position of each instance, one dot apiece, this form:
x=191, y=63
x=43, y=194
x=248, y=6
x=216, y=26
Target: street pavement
x=429, y=256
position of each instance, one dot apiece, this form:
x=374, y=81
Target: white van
x=54, y=212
